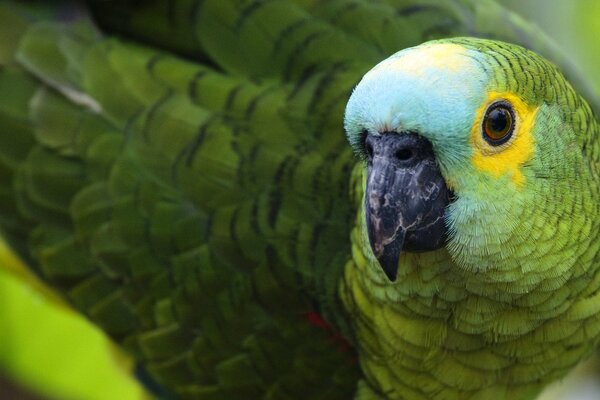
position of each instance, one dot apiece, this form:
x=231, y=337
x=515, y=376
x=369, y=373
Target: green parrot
x=254, y=205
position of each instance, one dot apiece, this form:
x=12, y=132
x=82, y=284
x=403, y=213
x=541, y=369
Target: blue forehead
x=434, y=89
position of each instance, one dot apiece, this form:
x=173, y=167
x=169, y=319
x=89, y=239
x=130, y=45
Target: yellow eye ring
x=498, y=123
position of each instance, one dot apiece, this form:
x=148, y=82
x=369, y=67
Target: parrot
x=253, y=204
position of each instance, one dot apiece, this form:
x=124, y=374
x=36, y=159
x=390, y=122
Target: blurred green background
x=68, y=359
x=573, y=24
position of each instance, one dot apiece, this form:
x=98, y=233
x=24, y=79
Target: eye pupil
x=498, y=123
x=498, y=120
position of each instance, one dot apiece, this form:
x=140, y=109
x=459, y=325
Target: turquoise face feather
x=434, y=90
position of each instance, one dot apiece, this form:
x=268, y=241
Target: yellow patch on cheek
x=508, y=158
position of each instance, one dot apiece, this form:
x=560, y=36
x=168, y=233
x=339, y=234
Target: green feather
x=182, y=176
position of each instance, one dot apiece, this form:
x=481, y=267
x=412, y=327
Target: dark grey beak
x=405, y=199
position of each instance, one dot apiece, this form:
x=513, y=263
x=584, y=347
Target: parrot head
x=476, y=146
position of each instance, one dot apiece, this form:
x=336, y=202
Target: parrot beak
x=405, y=199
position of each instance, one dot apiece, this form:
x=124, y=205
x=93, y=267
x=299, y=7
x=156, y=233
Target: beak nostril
x=404, y=154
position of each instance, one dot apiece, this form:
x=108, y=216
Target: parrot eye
x=498, y=123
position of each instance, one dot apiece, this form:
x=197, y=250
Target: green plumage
x=510, y=302
x=182, y=175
